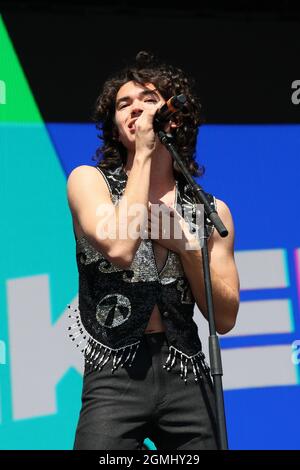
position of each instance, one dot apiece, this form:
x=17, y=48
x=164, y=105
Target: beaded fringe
x=197, y=360
x=96, y=353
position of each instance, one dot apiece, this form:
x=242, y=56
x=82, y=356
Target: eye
x=151, y=100
x=123, y=105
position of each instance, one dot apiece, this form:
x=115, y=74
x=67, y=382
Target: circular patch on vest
x=113, y=310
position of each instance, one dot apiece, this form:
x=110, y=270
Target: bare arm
x=224, y=275
x=90, y=203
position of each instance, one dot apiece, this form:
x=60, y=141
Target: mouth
x=131, y=125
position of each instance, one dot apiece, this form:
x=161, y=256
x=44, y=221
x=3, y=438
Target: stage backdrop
x=253, y=168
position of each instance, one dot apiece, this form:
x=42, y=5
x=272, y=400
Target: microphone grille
x=179, y=101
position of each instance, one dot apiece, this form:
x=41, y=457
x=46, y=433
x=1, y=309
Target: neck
x=161, y=176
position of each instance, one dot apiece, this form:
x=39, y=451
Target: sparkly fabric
x=115, y=304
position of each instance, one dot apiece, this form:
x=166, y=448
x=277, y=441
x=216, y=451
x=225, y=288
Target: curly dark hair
x=169, y=81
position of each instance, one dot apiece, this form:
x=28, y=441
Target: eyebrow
x=141, y=94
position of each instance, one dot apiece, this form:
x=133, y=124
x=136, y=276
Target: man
x=145, y=373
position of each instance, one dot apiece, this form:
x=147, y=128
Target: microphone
x=163, y=115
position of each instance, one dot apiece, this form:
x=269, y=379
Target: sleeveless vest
x=115, y=304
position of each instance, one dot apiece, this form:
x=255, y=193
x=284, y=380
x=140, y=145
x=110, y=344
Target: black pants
x=145, y=400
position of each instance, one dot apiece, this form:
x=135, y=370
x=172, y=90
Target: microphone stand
x=213, y=341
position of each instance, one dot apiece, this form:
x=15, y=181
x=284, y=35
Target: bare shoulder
x=85, y=185
x=225, y=215
x=83, y=173
x=223, y=210
x=85, y=176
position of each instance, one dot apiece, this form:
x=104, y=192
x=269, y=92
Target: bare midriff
x=155, y=324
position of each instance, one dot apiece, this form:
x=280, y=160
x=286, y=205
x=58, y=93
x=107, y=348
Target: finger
x=149, y=112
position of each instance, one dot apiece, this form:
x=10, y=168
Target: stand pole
x=213, y=341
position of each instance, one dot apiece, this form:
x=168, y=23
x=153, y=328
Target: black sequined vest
x=115, y=304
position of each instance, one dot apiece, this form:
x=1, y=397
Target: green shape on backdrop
x=19, y=103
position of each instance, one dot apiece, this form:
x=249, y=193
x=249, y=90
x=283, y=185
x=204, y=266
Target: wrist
x=143, y=155
x=189, y=249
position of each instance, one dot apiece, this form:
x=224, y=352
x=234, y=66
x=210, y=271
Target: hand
x=145, y=137
x=168, y=228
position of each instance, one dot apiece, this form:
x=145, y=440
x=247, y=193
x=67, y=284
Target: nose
x=136, y=109
x=136, y=112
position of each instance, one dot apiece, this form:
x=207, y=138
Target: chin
x=128, y=143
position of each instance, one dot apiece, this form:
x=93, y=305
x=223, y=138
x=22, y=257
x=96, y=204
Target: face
x=131, y=100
